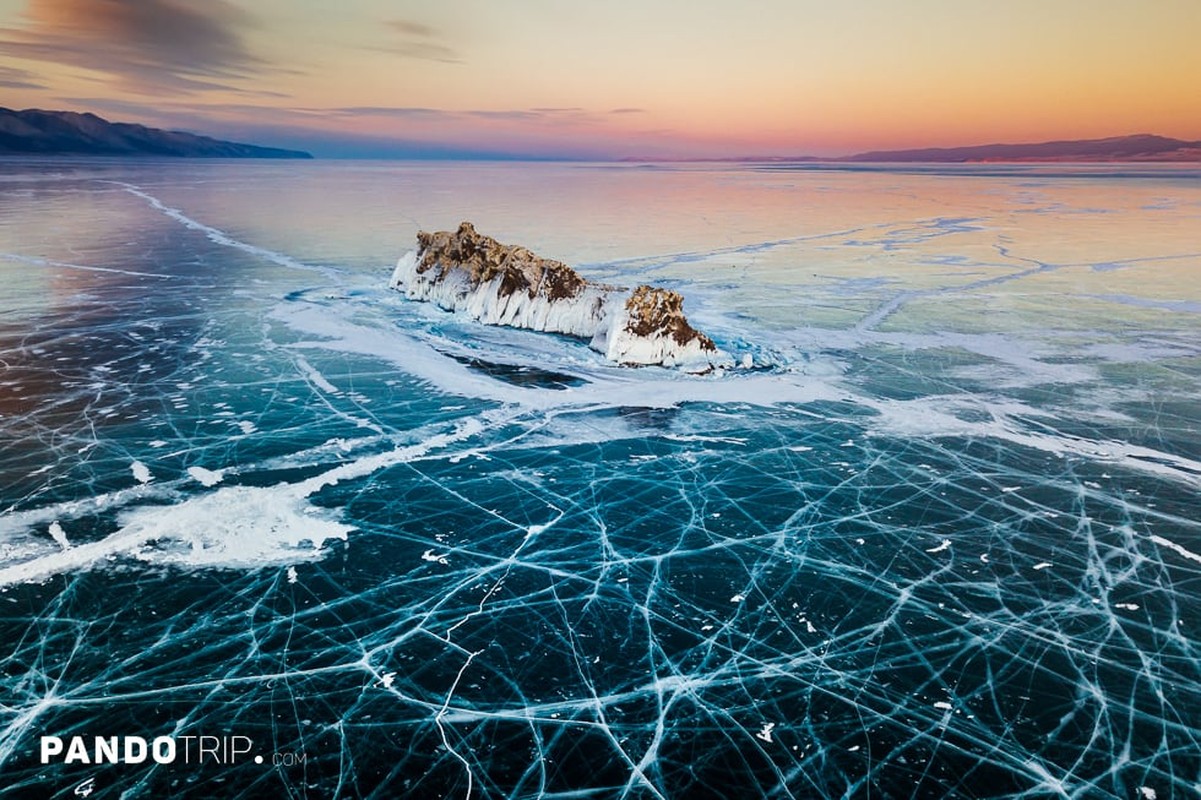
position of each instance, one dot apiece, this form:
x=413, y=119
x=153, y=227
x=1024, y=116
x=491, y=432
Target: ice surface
x=940, y=539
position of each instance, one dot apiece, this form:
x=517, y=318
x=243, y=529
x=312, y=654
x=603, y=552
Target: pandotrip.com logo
x=192, y=751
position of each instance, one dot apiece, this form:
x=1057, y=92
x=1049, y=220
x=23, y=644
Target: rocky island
x=502, y=284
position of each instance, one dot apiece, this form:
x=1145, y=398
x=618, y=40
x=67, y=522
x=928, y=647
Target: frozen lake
x=944, y=539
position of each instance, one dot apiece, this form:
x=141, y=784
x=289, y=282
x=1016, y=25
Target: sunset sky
x=549, y=78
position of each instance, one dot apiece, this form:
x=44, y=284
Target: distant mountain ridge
x=1139, y=147
x=37, y=132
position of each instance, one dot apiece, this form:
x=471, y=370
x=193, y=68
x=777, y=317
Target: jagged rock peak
x=651, y=310
x=483, y=258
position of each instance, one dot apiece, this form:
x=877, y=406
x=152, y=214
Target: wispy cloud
x=147, y=46
x=411, y=28
x=509, y=114
x=572, y=114
x=418, y=40
x=400, y=112
x=190, y=115
x=541, y=115
x=385, y=131
x=13, y=78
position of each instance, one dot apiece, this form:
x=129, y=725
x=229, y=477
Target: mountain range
x=1138, y=147
x=37, y=132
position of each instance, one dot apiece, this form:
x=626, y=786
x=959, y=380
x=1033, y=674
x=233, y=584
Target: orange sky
x=613, y=79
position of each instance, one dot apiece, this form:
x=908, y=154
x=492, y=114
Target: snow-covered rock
x=508, y=285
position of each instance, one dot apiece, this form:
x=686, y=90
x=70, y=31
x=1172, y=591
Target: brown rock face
x=650, y=310
x=499, y=284
x=483, y=258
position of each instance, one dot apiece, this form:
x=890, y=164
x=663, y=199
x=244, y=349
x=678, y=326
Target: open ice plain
x=943, y=540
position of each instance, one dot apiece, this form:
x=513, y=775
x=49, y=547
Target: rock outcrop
x=501, y=284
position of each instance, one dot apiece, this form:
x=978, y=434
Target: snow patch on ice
x=315, y=377
x=59, y=535
x=207, y=477
x=437, y=558
x=235, y=526
x=1168, y=543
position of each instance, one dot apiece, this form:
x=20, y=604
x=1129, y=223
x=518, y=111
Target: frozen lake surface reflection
x=942, y=539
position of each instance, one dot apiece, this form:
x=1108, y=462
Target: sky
x=613, y=79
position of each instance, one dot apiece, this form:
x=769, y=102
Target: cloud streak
x=386, y=131
x=149, y=47
x=420, y=41
x=571, y=114
x=13, y=78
